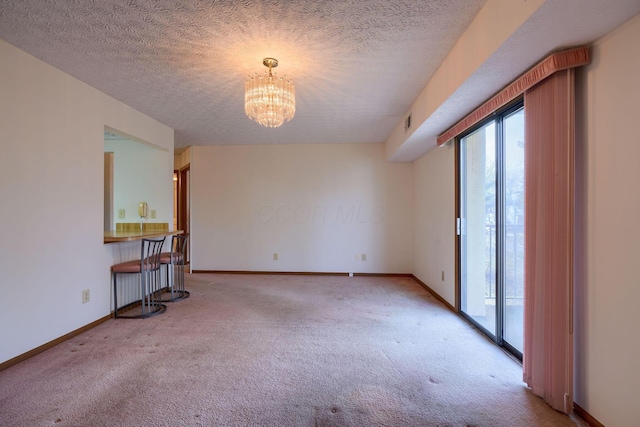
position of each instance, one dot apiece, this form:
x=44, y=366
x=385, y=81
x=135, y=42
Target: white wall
x=315, y=205
x=51, y=192
x=434, y=221
x=608, y=284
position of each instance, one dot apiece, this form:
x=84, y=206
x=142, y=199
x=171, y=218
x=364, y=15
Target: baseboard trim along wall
x=587, y=417
x=275, y=273
x=302, y=273
x=24, y=356
x=435, y=294
x=383, y=274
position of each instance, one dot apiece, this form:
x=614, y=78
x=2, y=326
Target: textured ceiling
x=357, y=64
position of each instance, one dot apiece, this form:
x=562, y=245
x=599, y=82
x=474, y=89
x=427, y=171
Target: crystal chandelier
x=269, y=99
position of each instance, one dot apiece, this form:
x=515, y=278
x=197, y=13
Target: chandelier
x=269, y=100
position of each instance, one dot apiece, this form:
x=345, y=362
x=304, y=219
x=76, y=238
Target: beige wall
x=434, y=221
x=315, y=205
x=608, y=284
x=51, y=174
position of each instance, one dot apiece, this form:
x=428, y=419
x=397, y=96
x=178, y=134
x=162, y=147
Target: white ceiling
x=358, y=65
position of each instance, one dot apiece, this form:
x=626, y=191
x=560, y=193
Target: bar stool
x=174, y=261
x=148, y=267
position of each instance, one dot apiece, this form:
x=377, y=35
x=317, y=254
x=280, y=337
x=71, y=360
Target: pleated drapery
x=549, y=205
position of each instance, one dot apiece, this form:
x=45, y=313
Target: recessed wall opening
x=130, y=178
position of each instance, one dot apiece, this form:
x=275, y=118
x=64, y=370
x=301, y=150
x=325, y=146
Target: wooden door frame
x=183, y=221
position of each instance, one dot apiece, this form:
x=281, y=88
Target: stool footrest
x=157, y=308
x=177, y=296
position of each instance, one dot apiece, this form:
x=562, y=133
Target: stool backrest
x=179, y=245
x=150, y=254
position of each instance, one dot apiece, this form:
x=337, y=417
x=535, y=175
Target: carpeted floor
x=255, y=350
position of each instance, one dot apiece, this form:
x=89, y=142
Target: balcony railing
x=513, y=262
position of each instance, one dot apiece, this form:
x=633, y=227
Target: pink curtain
x=549, y=204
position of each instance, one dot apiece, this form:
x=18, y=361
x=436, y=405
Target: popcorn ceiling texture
x=357, y=65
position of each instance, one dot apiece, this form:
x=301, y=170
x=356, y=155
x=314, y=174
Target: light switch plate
x=121, y=213
x=153, y=213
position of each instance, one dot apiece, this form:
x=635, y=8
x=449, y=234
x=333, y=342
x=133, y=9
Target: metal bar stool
x=174, y=261
x=148, y=267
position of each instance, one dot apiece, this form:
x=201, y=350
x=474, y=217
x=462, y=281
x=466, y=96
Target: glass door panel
x=513, y=219
x=478, y=227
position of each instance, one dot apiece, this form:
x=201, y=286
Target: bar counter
x=127, y=236
x=129, y=231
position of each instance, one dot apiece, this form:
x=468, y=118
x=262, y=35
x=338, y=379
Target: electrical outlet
x=153, y=213
x=364, y=257
x=121, y=213
x=357, y=256
x=86, y=296
x=443, y=275
x=275, y=256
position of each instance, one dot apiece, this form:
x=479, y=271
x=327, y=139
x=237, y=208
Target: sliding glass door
x=491, y=227
x=513, y=234
x=477, y=227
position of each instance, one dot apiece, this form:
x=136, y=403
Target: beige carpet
x=248, y=350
